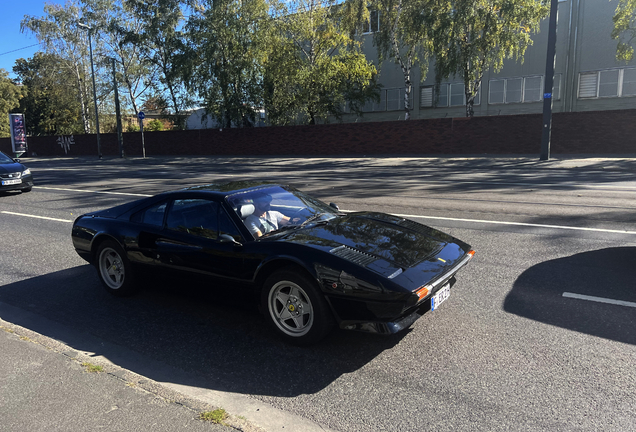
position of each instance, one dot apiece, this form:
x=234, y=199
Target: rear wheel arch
x=98, y=240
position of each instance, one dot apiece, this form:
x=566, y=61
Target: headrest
x=245, y=210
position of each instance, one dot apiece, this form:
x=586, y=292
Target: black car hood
x=11, y=168
x=401, y=242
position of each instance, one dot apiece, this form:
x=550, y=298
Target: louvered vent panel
x=414, y=226
x=588, y=83
x=353, y=255
x=426, y=97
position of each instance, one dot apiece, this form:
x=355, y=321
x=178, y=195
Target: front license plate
x=10, y=182
x=440, y=296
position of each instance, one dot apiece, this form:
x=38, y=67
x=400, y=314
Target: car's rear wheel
x=114, y=269
x=296, y=308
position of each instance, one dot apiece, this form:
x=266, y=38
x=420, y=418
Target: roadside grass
x=217, y=416
x=92, y=368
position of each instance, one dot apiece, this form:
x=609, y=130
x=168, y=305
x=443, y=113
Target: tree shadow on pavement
x=204, y=336
x=538, y=293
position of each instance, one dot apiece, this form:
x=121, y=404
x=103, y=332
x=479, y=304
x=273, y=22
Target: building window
x=390, y=100
x=373, y=25
x=607, y=83
x=532, y=89
x=448, y=95
x=520, y=89
x=629, y=82
x=497, y=91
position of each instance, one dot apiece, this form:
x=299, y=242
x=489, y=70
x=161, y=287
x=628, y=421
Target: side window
x=194, y=216
x=227, y=227
x=151, y=216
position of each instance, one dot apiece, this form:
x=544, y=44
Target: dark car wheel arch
x=98, y=240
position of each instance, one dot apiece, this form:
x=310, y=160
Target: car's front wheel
x=296, y=308
x=114, y=269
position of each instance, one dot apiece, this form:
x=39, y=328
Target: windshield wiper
x=311, y=219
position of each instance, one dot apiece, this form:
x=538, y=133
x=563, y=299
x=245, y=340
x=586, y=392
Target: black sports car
x=312, y=265
x=14, y=175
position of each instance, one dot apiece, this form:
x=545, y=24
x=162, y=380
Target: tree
x=402, y=36
x=315, y=67
x=225, y=58
x=625, y=29
x=162, y=44
x=114, y=24
x=10, y=95
x=50, y=107
x=58, y=30
x=471, y=35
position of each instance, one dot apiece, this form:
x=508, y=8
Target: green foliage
x=314, y=67
x=50, y=107
x=625, y=29
x=470, y=36
x=154, y=125
x=132, y=127
x=403, y=37
x=162, y=44
x=10, y=95
x=224, y=62
x=217, y=416
x=61, y=36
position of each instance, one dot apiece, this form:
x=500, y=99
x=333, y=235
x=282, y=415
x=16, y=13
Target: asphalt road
x=539, y=333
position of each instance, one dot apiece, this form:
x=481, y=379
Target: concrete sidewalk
x=42, y=389
x=46, y=385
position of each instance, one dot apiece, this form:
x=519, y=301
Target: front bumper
x=395, y=325
x=26, y=183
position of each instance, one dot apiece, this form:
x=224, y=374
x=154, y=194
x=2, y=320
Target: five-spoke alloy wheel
x=296, y=308
x=114, y=270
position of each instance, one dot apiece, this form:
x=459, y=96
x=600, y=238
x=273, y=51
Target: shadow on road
x=216, y=336
x=606, y=273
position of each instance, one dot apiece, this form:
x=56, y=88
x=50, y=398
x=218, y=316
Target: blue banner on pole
x=547, y=95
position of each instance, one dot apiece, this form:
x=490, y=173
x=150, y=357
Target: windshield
x=275, y=208
x=4, y=159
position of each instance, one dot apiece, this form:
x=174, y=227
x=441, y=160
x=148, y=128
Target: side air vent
x=354, y=255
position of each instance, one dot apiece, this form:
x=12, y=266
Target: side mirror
x=226, y=238
x=334, y=206
x=16, y=160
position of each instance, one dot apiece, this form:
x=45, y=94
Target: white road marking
x=410, y=216
x=37, y=217
x=92, y=191
x=519, y=224
x=599, y=299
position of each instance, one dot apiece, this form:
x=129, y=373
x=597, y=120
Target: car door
x=191, y=240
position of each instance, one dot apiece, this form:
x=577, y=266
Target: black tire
x=114, y=270
x=295, y=307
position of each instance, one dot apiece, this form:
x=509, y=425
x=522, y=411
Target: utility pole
x=549, y=81
x=120, y=137
x=90, y=47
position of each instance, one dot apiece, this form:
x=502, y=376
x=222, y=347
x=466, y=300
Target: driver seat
x=245, y=210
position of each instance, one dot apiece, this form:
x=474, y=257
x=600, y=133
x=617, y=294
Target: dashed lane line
x=34, y=216
x=599, y=299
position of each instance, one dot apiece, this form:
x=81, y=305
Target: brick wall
x=600, y=132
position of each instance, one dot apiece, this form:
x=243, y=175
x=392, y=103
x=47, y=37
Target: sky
x=11, y=39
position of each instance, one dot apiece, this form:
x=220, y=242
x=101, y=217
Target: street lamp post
x=90, y=47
